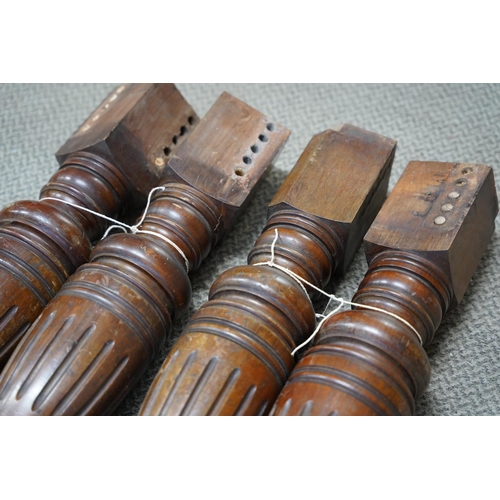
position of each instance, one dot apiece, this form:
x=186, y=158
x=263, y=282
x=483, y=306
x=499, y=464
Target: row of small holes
x=182, y=132
x=448, y=207
x=247, y=160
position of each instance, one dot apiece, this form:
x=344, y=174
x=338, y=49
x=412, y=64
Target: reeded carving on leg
x=366, y=362
x=254, y=315
x=43, y=242
x=82, y=367
x=98, y=335
x=234, y=356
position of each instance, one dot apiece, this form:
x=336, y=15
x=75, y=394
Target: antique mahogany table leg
x=98, y=335
x=235, y=353
x=422, y=250
x=108, y=165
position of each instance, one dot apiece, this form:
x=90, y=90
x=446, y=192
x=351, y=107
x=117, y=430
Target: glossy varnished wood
x=234, y=356
x=422, y=250
x=108, y=165
x=98, y=335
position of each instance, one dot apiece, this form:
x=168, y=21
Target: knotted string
x=301, y=281
x=124, y=227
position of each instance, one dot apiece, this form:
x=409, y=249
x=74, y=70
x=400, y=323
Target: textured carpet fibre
x=457, y=123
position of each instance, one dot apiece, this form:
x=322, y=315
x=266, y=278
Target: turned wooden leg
x=422, y=250
x=108, y=165
x=234, y=356
x=97, y=336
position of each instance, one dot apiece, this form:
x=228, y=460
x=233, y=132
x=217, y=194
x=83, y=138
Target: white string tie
x=124, y=227
x=271, y=263
x=301, y=281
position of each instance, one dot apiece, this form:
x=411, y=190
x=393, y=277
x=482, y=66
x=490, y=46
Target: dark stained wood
x=234, y=356
x=97, y=336
x=109, y=165
x=422, y=251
